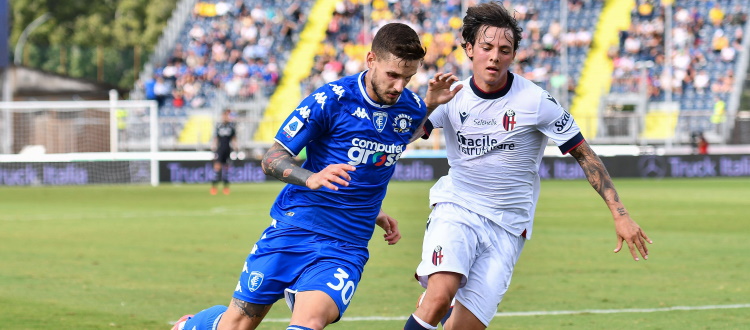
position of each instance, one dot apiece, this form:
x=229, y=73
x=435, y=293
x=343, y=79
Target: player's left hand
x=439, y=89
x=629, y=232
x=390, y=226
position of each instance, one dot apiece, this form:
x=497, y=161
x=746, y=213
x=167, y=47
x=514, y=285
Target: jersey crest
x=509, y=120
x=379, y=119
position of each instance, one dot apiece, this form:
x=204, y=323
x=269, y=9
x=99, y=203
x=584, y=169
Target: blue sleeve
x=308, y=121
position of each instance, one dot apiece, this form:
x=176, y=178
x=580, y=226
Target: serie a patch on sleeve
x=293, y=127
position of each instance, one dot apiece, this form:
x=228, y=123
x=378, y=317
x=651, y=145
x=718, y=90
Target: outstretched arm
x=279, y=163
x=627, y=230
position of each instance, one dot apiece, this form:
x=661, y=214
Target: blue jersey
x=340, y=124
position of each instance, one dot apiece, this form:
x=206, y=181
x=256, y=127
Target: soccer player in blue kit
x=315, y=249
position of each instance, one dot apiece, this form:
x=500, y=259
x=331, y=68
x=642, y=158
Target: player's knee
x=436, y=305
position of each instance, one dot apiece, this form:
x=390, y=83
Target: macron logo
x=361, y=113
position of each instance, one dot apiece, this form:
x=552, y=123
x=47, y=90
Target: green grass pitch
x=137, y=257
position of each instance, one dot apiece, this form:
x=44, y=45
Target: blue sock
x=207, y=319
x=297, y=327
x=414, y=323
x=447, y=315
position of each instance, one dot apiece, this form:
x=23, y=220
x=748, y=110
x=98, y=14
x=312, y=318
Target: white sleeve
x=557, y=124
x=439, y=116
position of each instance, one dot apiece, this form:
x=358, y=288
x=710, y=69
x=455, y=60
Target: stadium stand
x=706, y=40
x=229, y=52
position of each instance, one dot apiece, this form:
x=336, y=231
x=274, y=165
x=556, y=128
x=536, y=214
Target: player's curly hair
x=400, y=40
x=492, y=14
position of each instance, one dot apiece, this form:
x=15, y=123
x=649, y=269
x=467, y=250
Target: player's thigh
x=276, y=261
x=450, y=242
x=491, y=274
x=442, y=287
x=336, y=273
x=463, y=319
x=314, y=310
x=241, y=315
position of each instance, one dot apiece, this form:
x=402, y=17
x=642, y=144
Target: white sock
x=423, y=323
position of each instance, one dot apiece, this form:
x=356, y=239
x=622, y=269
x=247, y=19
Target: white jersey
x=495, y=142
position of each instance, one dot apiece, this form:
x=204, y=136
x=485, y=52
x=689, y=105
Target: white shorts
x=460, y=241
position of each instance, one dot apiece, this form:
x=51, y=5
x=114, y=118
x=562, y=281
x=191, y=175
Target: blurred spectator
x=719, y=114
x=162, y=90
x=702, y=145
x=701, y=81
x=716, y=14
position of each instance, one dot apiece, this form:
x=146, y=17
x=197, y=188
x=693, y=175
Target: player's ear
x=469, y=50
x=370, y=60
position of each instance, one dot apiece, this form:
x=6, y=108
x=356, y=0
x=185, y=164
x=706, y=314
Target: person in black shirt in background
x=225, y=140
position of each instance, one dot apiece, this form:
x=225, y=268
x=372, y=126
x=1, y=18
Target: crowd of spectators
x=230, y=48
x=706, y=37
x=236, y=48
x=439, y=22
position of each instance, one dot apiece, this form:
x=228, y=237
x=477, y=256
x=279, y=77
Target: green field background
x=137, y=257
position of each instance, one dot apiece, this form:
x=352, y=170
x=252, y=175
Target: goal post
x=79, y=142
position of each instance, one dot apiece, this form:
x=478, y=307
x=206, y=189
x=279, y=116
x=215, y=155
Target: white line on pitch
x=543, y=313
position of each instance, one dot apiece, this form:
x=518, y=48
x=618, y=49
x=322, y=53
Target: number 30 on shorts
x=346, y=287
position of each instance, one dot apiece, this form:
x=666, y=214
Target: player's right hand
x=439, y=89
x=335, y=173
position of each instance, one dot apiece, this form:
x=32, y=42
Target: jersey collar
x=492, y=95
x=363, y=90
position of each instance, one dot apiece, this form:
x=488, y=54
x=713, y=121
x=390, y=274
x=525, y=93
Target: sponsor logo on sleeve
x=304, y=112
x=550, y=98
x=416, y=98
x=564, y=124
x=338, y=90
x=293, y=127
x=321, y=99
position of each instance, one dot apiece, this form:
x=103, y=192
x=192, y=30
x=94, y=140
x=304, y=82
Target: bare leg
x=463, y=319
x=441, y=288
x=243, y=315
x=314, y=309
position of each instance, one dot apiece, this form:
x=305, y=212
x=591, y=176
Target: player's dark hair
x=492, y=14
x=400, y=40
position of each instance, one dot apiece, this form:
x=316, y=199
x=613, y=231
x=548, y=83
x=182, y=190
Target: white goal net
x=78, y=142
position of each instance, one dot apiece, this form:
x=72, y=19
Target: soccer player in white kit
x=496, y=129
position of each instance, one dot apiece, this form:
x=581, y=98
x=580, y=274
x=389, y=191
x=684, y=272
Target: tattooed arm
x=279, y=163
x=627, y=229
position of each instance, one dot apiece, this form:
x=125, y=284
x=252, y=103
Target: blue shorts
x=289, y=259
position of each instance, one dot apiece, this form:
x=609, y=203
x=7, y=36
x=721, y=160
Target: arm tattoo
x=595, y=172
x=251, y=310
x=621, y=211
x=278, y=163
